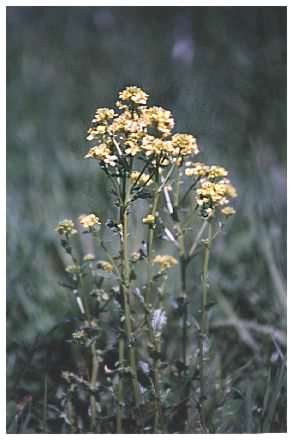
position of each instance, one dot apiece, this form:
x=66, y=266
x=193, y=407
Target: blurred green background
x=222, y=72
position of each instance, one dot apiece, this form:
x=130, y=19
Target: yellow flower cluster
x=129, y=122
x=215, y=172
x=133, y=94
x=102, y=152
x=184, y=145
x=100, y=122
x=159, y=117
x=140, y=179
x=89, y=221
x=155, y=146
x=105, y=266
x=199, y=169
x=211, y=195
x=165, y=261
x=137, y=130
x=66, y=227
x=196, y=169
x=104, y=115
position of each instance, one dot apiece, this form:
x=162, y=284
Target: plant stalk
x=156, y=343
x=125, y=289
x=183, y=266
x=204, y=328
x=119, y=427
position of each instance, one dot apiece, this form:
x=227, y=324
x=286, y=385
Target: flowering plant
x=146, y=162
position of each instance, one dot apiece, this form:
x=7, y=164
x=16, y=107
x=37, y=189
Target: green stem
x=204, y=327
x=148, y=306
x=150, y=241
x=183, y=265
x=125, y=289
x=205, y=279
x=119, y=427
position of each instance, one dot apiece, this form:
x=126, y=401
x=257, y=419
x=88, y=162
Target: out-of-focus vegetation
x=222, y=71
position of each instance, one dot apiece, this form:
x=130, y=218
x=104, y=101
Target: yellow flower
x=133, y=94
x=66, y=227
x=165, y=261
x=104, y=115
x=228, y=210
x=149, y=219
x=144, y=179
x=129, y=122
x=161, y=118
x=155, y=146
x=196, y=169
x=89, y=221
x=132, y=147
x=211, y=195
x=184, y=145
x=99, y=152
x=215, y=171
x=101, y=120
x=103, y=153
x=105, y=266
x=96, y=131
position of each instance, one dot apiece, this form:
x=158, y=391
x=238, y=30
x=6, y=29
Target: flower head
x=130, y=123
x=155, y=146
x=160, y=118
x=212, y=194
x=184, y=145
x=197, y=169
x=216, y=171
x=103, y=153
x=132, y=95
x=66, y=227
x=89, y=221
x=100, y=123
x=104, y=115
x=165, y=261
